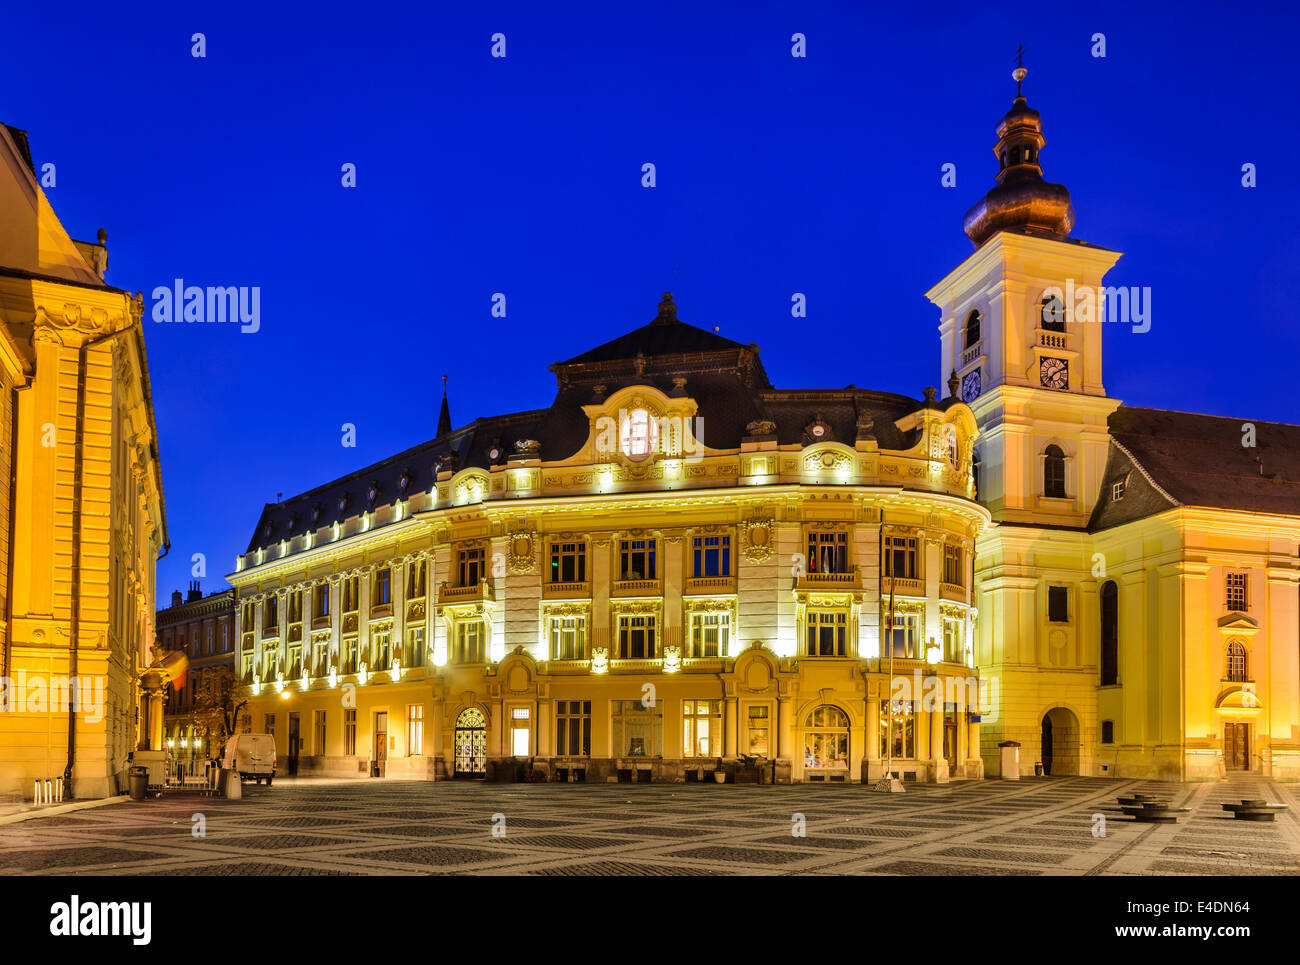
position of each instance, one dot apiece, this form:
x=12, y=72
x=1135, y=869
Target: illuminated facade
x=1138, y=593
x=674, y=569
x=196, y=717
x=82, y=520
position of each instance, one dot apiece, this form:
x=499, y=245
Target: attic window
x=638, y=434
x=1118, y=488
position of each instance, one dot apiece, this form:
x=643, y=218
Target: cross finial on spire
x=1019, y=73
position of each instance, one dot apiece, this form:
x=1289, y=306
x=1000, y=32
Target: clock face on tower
x=970, y=386
x=1054, y=373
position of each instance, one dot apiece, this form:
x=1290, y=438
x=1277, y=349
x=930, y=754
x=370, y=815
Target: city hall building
x=677, y=569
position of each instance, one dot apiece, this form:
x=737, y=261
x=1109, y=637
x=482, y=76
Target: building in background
x=81, y=502
x=200, y=713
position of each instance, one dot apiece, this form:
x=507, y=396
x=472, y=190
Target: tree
x=217, y=704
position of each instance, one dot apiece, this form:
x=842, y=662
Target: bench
x=1249, y=810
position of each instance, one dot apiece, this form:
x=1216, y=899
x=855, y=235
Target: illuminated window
x=469, y=642
x=638, y=434
x=826, y=739
x=413, y=656
x=638, y=729
x=380, y=649
x=295, y=661
x=701, y=727
x=569, y=562
x=349, y=732
x=953, y=570
x=1237, y=662
x=903, y=635
x=954, y=650
x=710, y=633
x=950, y=445
x=519, y=731
x=319, y=728
x=568, y=638
x=900, y=557
x=320, y=603
x=271, y=615
x=636, y=636
x=351, y=654
x=759, y=730
x=637, y=559
x=414, y=729
x=351, y=589
x=712, y=555
x=295, y=607
x=828, y=552
x=415, y=580
x=469, y=566
x=1236, y=591
x=573, y=728
x=898, y=738
x=827, y=633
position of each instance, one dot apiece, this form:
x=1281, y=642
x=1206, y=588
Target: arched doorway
x=1060, y=742
x=471, y=743
x=826, y=744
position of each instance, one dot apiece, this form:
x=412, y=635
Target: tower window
x=972, y=328
x=1054, y=472
x=1237, y=662
x=1052, y=314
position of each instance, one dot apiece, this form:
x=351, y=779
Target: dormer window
x=638, y=435
x=1118, y=488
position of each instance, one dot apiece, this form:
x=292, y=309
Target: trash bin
x=139, y=781
x=1009, y=751
x=1038, y=769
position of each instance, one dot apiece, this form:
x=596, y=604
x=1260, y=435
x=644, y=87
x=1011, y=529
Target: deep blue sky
x=775, y=175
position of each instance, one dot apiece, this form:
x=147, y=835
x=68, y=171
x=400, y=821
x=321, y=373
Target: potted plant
x=720, y=773
x=746, y=769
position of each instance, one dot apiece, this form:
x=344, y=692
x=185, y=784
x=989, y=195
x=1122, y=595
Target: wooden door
x=1236, y=747
x=381, y=742
x=295, y=744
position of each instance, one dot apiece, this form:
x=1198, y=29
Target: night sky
x=522, y=175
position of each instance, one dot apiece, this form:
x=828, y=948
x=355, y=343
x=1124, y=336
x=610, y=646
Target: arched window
x=638, y=432
x=972, y=328
x=1237, y=666
x=1109, y=633
x=826, y=738
x=1054, y=472
x=1052, y=314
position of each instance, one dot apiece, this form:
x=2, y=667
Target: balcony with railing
x=848, y=579
x=482, y=590
x=1053, y=339
x=566, y=591
x=971, y=354
x=952, y=591
x=901, y=586
x=623, y=588
x=710, y=585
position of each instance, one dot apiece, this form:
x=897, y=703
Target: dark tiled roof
x=24, y=148
x=658, y=337
x=1199, y=460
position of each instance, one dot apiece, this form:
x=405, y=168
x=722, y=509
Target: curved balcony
x=901, y=586
x=848, y=580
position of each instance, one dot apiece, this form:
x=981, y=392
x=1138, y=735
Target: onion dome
x=1022, y=201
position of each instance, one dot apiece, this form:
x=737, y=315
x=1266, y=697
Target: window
x=758, y=730
x=209, y=638
x=351, y=589
x=295, y=607
x=413, y=656
x=295, y=661
x=319, y=728
x=381, y=591
x=900, y=557
x=710, y=633
x=568, y=638
x=1054, y=472
x=573, y=728
x=975, y=467
x=953, y=571
x=469, y=566
x=638, y=730
x=1109, y=633
x=381, y=649
x=246, y=665
x=701, y=727
x=904, y=635
x=269, y=725
x=569, y=562
x=469, y=641
x=349, y=732
x=320, y=602
x=414, y=730
x=954, y=648
x=636, y=636
x=1108, y=732
x=712, y=555
x=827, y=632
x=638, y=434
x=828, y=552
x=1058, y=604
x=270, y=660
x=271, y=615
x=224, y=637
x=898, y=736
x=1237, y=662
x=351, y=654
x=637, y=559
x=416, y=574
x=1118, y=488
x=322, y=651
x=1052, y=314
x=972, y=328
x=520, y=718
x=1236, y=591
x=826, y=738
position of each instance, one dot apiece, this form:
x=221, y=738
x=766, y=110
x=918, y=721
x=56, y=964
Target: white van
x=252, y=755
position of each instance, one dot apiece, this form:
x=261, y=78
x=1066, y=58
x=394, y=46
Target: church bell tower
x=1021, y=333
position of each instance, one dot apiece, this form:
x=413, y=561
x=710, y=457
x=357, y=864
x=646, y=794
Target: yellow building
x=675, y=569
x=81, y=508
x=1138, y=591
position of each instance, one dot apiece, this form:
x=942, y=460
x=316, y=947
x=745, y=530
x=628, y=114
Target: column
x=938, y=762
x=729, y=727
x=363, y=620
x=784, y=750
x=335, y=644
x=397, y=645
x=872, y=754
x=973, y=743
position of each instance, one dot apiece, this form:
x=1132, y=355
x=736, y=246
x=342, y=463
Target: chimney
x=176, y=598
x=195, y=593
